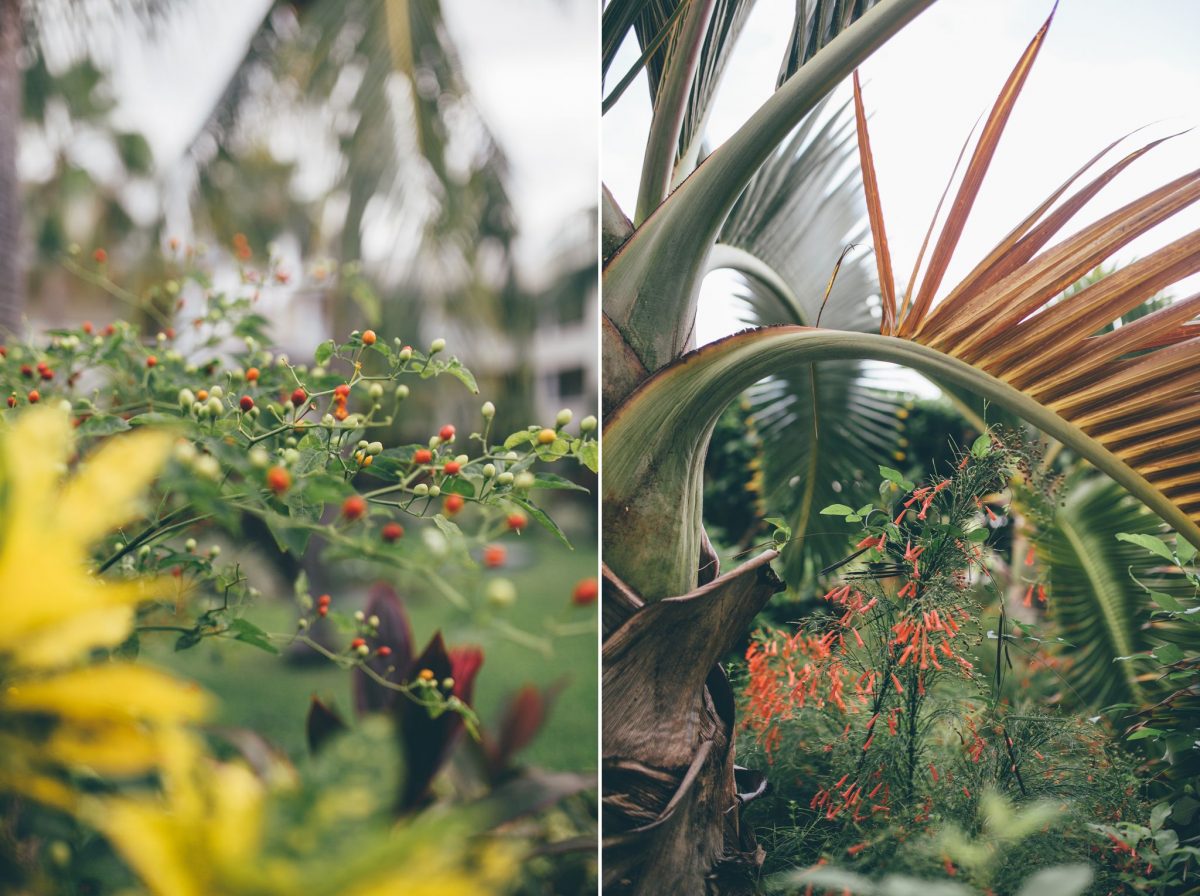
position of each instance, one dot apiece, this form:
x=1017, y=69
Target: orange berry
x=340, y=412
x=354, y=507
x=546, y=436
x=342, y=391
x=87, y=327
x=422, y=456
x=585, y=592
x=453, y=504
x=34, y=397
x=100, y=255
x=517, y=521
x=451, y=467
x=368, y=337
x=494, y=555
x=201, y=395
x=392, y=532
x=151, y=361
x=279, y=480
x=252, y=375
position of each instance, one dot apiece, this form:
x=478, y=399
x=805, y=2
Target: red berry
x=34, y=398
x=384, y=651
x=47, y=373
x=26, y=371
x=169, y=332
x=354, y=507
x=422, y=456
x=299, y=396
x=12, y=401
x=446, y=433
x=151, y=361
x=494, y=555
x=342, y=391
x=453, y=504
x=357, y=643
x=246, y=403
x=100, y=255
x=109, y=330
x=517, y=520
x=451, y=467
x=324, y=600
x=87, y=327
x=368, y=337
x=322, y=610
x=392, y=532
x=252, y=375
x=279, y=480
x=585, y=592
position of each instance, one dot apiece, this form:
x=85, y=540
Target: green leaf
x=519, y=438
x=1166, y=601
x=897, y=477
x=246, y=631
x=1158, y=815
x=1150, y=542
x=291, y=537
x=1168, y=653
x=1185, y=551
x=549, y=480
x=324, y=352
x=464, y=376
x=589, y=455
x=1142, y=733
x=448, y=528
x=837, y=510
x=103, y=425
x=154, y=418
x=982, y=446
x=546, y=523
x=458, y=485
x=188, y=640
x=978, y=535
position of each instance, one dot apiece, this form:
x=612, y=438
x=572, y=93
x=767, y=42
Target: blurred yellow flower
x=59, y=708
x=216, y=828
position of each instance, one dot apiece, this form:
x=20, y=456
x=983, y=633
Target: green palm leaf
x=824, y=428
x=1094, y=601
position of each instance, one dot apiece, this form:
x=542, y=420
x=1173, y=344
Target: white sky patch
x=1107, y=67
x=533, y=72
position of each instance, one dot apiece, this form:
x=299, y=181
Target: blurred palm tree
x=373, y=91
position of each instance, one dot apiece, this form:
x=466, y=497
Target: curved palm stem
x=654, y=443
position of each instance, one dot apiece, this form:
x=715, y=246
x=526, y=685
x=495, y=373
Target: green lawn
x=260, y=691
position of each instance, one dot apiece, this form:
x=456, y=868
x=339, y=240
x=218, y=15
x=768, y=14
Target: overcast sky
x=1107, y=67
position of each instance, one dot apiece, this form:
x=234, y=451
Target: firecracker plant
x=902, y=727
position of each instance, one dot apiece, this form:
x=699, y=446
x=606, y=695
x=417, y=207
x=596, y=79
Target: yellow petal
x=113, y=691
x=103, y=494
x=148, y=838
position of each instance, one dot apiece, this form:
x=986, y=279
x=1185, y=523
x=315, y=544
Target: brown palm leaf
x=1132, y=389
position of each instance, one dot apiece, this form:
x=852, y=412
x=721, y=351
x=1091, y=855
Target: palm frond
x=1099, y=609
x=816, y=24
x=1131, y=388
x=784, y=236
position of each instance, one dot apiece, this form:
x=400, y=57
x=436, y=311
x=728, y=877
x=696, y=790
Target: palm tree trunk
x=12, y=283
